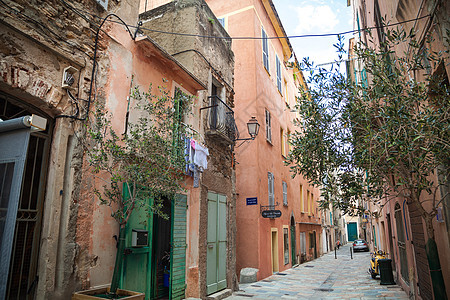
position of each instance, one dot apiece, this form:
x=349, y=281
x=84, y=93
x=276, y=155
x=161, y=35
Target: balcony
x=220, y=121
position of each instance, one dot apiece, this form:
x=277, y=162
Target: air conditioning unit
x=139, y=238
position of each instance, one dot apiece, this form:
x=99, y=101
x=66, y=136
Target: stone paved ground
x=323, y=278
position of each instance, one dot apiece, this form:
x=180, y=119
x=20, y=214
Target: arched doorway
x=293, y=252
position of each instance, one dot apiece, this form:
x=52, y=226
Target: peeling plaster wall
x=209, y=60
x=39, y=39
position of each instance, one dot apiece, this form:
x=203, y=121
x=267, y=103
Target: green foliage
x=382, y=137
x=148, y=159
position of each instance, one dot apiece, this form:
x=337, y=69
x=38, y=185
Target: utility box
x=139, y=238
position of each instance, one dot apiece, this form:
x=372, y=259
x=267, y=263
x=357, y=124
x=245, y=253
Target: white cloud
x=315, y=19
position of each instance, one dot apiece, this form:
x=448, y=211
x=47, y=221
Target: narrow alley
x=323, y=278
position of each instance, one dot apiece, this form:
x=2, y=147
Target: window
x=283, y=142
x=278, y=74
x=265, y=49
x=286, y=95
x=268, y=127
x=289, y=145
x=286, y=245
x=285, y=202
x=271, y=188
x=303, y=242
x=307, y=202
x=302, y=204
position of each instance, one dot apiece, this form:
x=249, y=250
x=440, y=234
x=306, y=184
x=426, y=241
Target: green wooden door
x=137, y=267
x=178, y=250
x=216, y=243
x=293, y=245
x=352, y=231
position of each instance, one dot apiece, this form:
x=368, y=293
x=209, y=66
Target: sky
x=315, y=17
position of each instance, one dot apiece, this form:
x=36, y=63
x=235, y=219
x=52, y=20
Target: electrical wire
x=260, y=38
x=93, y=84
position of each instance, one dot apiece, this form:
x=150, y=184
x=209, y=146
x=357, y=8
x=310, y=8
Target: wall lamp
x=253, y=129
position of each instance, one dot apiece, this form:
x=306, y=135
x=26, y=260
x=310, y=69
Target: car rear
x=360, y=245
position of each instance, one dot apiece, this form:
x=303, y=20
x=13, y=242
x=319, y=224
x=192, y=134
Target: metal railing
x=220, y=118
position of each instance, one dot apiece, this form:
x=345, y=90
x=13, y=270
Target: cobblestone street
x=323, y=278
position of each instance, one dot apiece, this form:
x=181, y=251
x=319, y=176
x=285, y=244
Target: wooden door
x=216, y=243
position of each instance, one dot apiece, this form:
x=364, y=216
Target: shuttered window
x=271, y=188
x=303, y=242
x=283, y=142
x=265, y=49
x=285, y=202
x=268, y=127
x=178, y=253
x=278, y=64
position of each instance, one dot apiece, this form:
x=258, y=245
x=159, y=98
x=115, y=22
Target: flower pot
x=96, y=293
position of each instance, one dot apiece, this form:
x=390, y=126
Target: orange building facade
x=266, y=88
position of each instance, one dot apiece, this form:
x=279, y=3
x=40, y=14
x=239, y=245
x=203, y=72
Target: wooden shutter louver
x=178, y=253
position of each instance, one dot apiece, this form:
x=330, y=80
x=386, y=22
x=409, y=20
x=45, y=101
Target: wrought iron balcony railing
x=220, y=119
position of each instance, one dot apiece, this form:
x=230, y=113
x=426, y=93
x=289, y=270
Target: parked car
x=360, y=245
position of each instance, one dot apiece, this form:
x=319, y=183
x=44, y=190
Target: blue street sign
x=252, y=201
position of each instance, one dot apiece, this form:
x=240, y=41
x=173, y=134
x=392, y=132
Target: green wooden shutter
x=211, y=257
x=293, y=256
x=217, y=243
x=137, y=267
x=178, y=252
x=222, y=242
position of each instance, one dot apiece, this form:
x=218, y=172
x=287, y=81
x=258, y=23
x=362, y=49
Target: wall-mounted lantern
x=253, y=129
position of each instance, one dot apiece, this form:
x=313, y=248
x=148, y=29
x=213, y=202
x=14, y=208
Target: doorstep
x=220, y=295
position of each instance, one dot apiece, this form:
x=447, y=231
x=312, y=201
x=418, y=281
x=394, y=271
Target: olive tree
x=147, y=160
x=386, y=135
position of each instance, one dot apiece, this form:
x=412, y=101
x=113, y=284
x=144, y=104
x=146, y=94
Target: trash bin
x=385, y=267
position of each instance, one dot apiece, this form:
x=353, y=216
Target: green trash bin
x=385, y=267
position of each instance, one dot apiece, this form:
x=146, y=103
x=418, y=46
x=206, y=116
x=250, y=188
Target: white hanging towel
x=200, y=158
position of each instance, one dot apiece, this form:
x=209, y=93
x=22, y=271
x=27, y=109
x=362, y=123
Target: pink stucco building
x=266, y=87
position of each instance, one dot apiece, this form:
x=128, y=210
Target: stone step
x=220, y=295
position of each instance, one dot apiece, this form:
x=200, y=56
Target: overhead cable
x=260, y=38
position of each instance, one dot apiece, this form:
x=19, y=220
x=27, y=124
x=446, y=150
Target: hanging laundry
x=189, y=157
x=196, y=176
x=200, y=158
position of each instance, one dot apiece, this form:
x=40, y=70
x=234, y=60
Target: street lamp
x=253, y=129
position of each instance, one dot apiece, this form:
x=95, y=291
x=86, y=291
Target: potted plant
x=147, y=160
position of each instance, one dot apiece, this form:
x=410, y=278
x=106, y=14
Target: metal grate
x=22, y=279
x=244, y=295
x=324, y=290
x=221, y=118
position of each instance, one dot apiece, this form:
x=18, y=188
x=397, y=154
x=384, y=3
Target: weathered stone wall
x=40, y=39
x=193, y=17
